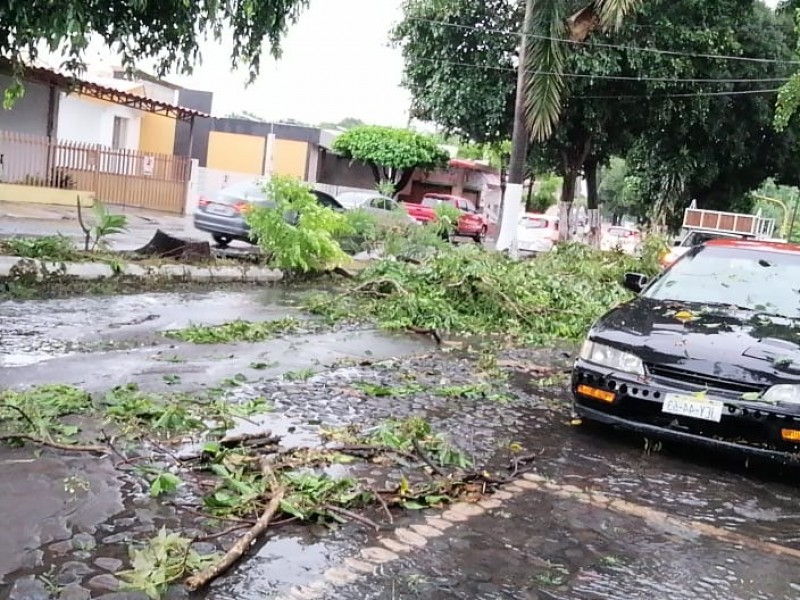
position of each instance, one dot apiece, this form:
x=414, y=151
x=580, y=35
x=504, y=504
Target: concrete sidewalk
x=36, y=220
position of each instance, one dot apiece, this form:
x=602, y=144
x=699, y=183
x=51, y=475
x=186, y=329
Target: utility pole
x=512, y=200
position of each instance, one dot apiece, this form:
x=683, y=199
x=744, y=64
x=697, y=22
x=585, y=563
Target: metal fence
x=116, y=176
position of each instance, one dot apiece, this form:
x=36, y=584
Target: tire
x=223, y=241
x=481, y=237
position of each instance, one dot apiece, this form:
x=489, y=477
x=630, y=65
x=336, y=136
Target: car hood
x=720, y=342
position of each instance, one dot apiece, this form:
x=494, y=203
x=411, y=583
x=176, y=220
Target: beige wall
x=290, y=158
x=236, y=152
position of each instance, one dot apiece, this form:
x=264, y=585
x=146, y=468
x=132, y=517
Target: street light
x=785, y=220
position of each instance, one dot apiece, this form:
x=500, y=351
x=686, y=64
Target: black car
x=709, y=352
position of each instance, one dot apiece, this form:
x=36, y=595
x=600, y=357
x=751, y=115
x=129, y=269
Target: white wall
x=81, y=120
x=207, y=182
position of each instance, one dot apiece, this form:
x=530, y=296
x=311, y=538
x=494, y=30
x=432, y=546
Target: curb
x=13, y=267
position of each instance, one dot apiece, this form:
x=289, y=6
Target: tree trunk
x=402, y=182
x=592, y=203
x=529, y=198
x=565, y=206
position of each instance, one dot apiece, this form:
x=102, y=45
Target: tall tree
x=169, y=31
x=459, y=64
x=706, y=132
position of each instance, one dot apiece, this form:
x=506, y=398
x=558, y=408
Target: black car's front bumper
x=745, y=428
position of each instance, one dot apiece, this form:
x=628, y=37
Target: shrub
x=297, y=233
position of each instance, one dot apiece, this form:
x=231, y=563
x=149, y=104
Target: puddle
x=282, y=563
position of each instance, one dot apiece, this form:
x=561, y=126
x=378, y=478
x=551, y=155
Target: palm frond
x=612, y=12
x=545, y=56
x=547, y=49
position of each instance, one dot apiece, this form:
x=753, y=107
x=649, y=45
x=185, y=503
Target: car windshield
x=534, y=223
x=750, y=278
x=352, y=199
x=244, y=190
x=701, y=237
x=619, y=232
x=432, y=201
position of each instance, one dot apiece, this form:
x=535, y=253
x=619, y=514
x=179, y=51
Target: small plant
x=105, y=224
x=299, y=375
x=164, y=483
x=416, y=434
x=53, y=248
x=165, y=559
x=38, y=411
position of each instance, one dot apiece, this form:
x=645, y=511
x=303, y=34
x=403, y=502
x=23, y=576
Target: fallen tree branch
x=383, y=504
x=427, y=460
x=56, y=445
x=348, y=514
x=242, y=545
x=21, y=412
x=422, y=331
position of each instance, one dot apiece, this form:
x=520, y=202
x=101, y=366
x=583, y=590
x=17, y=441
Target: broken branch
x=242, y=545
x=56, y=445
x=348, y=514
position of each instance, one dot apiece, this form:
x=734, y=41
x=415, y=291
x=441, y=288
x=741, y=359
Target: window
x=381, y=203
x=756, y=280
x=119, y=138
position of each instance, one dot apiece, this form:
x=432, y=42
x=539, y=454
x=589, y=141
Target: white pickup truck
x=700, y=225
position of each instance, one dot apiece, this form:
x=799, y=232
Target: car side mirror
x=634, y=282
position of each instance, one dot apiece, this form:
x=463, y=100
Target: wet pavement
x=68, y=519
x=36, y=220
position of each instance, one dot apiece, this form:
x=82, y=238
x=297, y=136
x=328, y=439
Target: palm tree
x=546, y=52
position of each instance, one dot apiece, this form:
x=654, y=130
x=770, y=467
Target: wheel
x=481, y=236
x=223, y=241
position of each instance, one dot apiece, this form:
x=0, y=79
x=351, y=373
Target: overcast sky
x=336, y=63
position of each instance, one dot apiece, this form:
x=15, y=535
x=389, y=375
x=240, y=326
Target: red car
x=470, y=224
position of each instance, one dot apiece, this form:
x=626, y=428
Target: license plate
x=691, y=406
x=220, y=209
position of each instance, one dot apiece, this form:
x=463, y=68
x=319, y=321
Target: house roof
x=104, y=92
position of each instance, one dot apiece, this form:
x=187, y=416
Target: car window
x=620, y=232
x=326, y=200
x=431, y=201
x=534, y=223
x=245, y=190
x=469, y=206
x=758, y=280
x=381, y=203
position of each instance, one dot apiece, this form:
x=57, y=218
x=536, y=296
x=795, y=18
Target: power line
x=614, y=46
x=634, y=78
x=679, y=95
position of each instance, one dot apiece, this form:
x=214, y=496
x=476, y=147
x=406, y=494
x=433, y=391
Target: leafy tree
x=543, y=193
x=392, y=154
x=706, y=141
x=620, y=191
x=168, y=31
x=459, y=65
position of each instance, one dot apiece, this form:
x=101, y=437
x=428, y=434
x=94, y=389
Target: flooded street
x=600, y=515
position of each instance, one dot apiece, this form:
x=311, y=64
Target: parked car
x=688, y=241
x=223, y=215
x=708, y=353
x=626, y=239
x=537, y=232
x=386, y=210
x=470, y=224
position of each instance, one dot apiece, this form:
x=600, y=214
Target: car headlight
x=782, y=393
x=609, y=357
